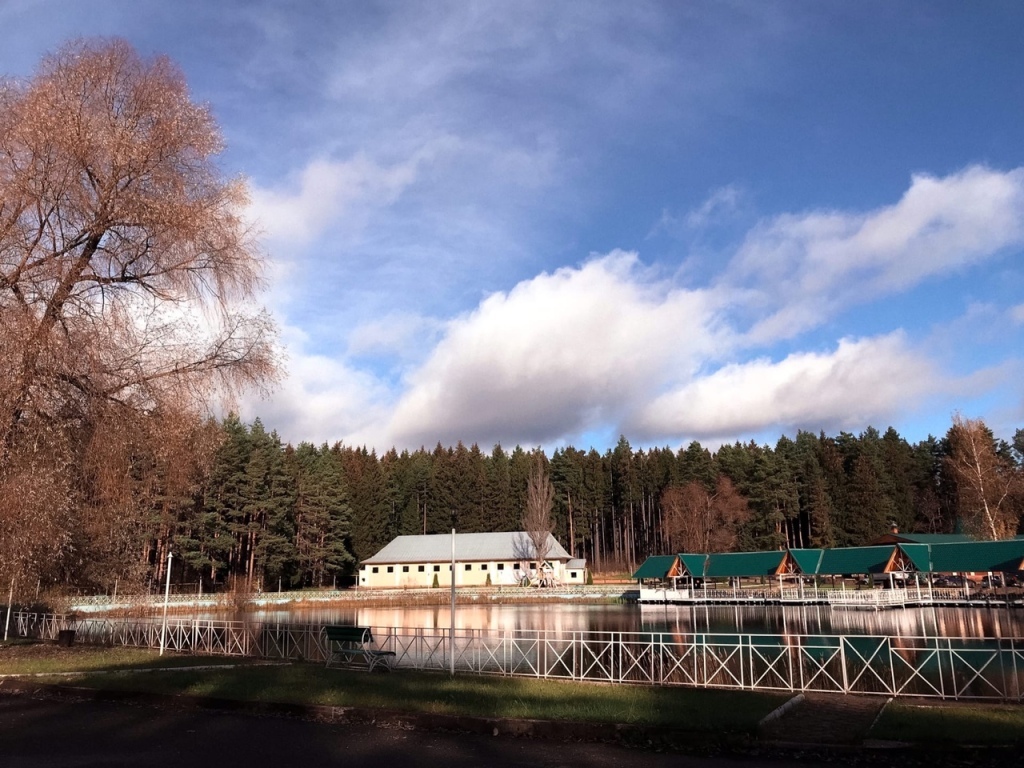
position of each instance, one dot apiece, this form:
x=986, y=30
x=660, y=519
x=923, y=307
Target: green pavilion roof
x=976, y=556
x=921, y=538
x=655, y=567
x=726, y=564
x=694, y=564
x=854, y=560
x=807, y=560
x=920, y=555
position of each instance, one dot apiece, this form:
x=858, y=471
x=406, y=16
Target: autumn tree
x=699, y=520
x=988, y=485
x=537, y=522
x=127, y=279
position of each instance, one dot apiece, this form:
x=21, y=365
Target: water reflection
x=815, y=620
x=564, y=619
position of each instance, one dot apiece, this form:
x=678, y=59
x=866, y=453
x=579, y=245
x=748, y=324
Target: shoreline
x=131, y=605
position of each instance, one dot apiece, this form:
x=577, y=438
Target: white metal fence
x=937, y=667
x=440, y=596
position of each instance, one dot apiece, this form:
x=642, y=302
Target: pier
x=853, y=599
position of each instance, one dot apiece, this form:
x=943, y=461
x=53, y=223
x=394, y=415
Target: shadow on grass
x=400, y=690
x=945, y=724
x=33, y=657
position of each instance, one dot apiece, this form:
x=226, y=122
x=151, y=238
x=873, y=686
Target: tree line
x=272, y=515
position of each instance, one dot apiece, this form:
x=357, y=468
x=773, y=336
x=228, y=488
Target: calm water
x=810, y=620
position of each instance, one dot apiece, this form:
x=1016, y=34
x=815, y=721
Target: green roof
x=934, y=538
x=977, y=556
x=725, y=564
x=655, y=567
x=807, y=560
x=920, y=555
x=854, y=560
x=694, y=564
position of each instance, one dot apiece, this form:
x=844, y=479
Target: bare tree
x=127, y=279
x=536, y=521
x=699, y=521
x=988, y=486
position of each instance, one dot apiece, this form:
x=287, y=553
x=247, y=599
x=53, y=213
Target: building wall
x=467, y=574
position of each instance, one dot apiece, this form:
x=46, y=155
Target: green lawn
x=21, y=658
x=487, y=696
x=949, y=723
x=464, y=694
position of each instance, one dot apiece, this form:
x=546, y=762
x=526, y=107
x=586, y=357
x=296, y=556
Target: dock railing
x=931, y=667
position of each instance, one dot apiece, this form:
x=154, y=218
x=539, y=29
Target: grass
x=715, y=713
x=707, y=711
x=946, y=724
x=31, y=658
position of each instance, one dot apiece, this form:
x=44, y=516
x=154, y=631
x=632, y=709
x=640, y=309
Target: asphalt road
x=44, y=732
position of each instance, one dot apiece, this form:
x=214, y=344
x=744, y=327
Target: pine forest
x=271, y=516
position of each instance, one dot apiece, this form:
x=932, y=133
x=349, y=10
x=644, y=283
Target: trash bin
x=65, y=638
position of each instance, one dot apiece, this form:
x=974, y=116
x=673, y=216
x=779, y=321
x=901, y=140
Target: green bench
x=353, y=647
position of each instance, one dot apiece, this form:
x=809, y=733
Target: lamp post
x=10, y=603
x=452, y=633
x=167, y=598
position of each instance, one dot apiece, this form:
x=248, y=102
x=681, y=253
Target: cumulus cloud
x=862, y=381
x=807, y=266
x=616, y=346
x=557, y=354
x=322, y=399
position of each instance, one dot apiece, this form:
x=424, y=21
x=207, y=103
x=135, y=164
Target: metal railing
x=839, y=598
x=935, y=667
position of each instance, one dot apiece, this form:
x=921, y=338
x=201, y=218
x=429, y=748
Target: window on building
x=421, y=568
x=501, y=566
x=391, y=569
x=375, y=569
x=437, y=568
x=533, y=565
x=483, y=566
x=405, y=569
x=469, y=566
x=572, y=574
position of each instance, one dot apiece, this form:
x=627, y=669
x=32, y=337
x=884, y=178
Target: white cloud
x=861, y=382
x=327, y=193
x=557, y=354
x=615, y=346
x=720, y=203
x=808, y=266
x=1017, y=314
x=322, y=399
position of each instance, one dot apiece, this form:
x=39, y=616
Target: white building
x=500, y=559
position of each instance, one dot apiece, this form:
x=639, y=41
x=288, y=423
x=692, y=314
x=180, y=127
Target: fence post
x=892, y=666
x=842, y=661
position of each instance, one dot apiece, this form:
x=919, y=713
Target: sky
x=553, y=224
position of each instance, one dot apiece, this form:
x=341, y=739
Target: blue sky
x=554, y=223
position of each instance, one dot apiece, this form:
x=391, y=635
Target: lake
x=566, y=618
